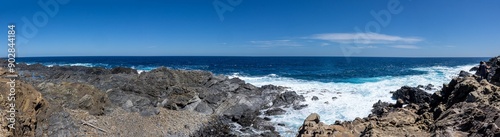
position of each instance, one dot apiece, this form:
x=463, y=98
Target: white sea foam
x=352, y=99
x=76, y=64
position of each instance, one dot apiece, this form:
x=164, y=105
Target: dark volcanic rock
x=58, y=123
x=275, y=111
x=289, y=97
x=100, y=91
x=300, y=106
x=380, y=108
x=464, y=107
x=314, y=98
x=411, y=95
x=464, y=74
x=120, y=70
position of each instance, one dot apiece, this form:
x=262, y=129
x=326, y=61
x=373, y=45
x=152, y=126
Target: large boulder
x=411, y=95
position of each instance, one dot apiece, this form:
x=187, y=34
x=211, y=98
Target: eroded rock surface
x=464, y=107
x=73, y=97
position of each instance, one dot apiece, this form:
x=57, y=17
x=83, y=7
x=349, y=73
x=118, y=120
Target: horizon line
x=265, y=56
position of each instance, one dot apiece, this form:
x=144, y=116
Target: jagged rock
x=464, y=74
x=411, y=95
x=380, y=108
x=288, y=97
x=100, y=91
x=463, y=107
x=299, y=106
x=235, y=113
x=123, y=70
x=204, y=108
x=275, y=111
x=76, y=95
x=218, y=127
x=429, y=87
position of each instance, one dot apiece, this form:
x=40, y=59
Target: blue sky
x=401, y=28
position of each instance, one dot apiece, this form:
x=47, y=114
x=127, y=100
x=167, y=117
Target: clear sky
x=402, y=28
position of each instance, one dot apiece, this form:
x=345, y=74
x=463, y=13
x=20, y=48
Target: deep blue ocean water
x=355, y=83
x=323, y=69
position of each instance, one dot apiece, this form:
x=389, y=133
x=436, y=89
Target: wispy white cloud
x=406, y=47
x=365, y=47
x=276, y=43
x=324, y=44
x=364, y=38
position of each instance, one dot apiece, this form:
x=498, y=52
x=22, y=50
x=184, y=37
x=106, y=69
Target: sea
x=346, y=87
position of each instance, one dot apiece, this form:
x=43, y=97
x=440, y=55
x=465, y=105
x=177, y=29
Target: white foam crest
x=143, y=69
x=352, y=99
x=80, y=64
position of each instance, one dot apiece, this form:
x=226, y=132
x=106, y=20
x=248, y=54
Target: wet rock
x=267, y=119
x=299, y=107
x=463, y=107
x=275, y=111
x=288, y=97
x=411, y=95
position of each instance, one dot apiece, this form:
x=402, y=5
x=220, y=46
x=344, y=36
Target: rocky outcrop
x=464, y=107
x=411, y=95
x=30, y=108
x=77, y=93
x=120, y=70
x=494, y=63
x=494, y=70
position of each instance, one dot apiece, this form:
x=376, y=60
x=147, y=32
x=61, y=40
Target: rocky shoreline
x=86, y=101
x=466, y=106
x=93, y=101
